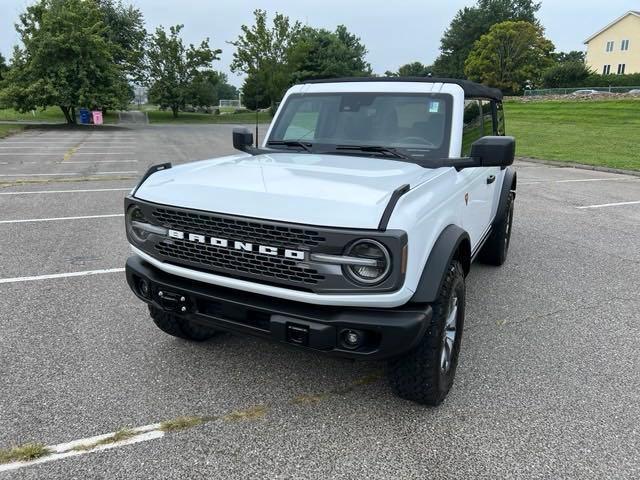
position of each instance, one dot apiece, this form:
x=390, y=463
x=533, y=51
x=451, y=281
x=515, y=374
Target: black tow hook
x=173, y=302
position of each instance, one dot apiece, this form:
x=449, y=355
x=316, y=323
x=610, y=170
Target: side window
x=487, y=118
x=304, y=121
x=500, y=123
x=472, y=129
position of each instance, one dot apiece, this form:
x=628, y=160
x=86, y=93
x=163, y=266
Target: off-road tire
x=495, y=251
x=418, y=375
x=179, y=327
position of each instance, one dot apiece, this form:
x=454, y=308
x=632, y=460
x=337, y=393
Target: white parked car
x=590, y=92
x=348, y=231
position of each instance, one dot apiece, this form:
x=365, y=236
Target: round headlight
x=134, y=214
x=376, y=270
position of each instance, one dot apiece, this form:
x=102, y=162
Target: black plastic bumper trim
x=388, y=331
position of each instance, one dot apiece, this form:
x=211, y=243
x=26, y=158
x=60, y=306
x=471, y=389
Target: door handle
x=491, y=179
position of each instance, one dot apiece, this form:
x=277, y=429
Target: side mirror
x=494, y=151
x=242, y=139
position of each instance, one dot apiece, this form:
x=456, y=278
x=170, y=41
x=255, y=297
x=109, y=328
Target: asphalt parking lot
x=547, y=387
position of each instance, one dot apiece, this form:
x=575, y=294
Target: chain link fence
x=568, y=91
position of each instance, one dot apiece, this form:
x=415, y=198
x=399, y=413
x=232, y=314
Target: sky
x=394, y=32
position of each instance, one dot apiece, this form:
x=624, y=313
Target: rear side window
x=487, y=118
x=473, y=127
x=500, y=123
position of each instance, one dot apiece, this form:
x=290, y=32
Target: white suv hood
x=327, y=190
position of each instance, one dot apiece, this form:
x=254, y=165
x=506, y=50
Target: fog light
x=145, y=289
x=352, y=339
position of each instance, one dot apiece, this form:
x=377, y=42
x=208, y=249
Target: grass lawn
x=605, y=133
x=6, y=130
x=186, y=117
x=51, y=114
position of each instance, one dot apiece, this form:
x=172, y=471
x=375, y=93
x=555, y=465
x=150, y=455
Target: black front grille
x=235, y=262
x=215, y=258
x=238, y=229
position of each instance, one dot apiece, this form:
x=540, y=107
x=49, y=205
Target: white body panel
x=336, y=191
x=325, y=190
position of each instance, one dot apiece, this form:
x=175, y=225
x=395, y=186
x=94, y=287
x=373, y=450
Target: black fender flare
x=508, y=185
x=442, y=253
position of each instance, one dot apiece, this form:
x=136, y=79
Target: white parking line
x=66, y=143
x=56, y=219
x=63, y=174
x=69, y=191
x=64, y=162
x=102, y=153
x=64, y=147
x=39, y=174
x=604, y=205
x=580, y=180
x=79, y=447
x=61, y=275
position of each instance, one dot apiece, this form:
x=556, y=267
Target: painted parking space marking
x=88, y=142
x=580, y=180
x=97, y=161
x=52, y=276
x=58, y=219
x=41, y=192
x=99, y=443
x=62, y=174
x=605, y=205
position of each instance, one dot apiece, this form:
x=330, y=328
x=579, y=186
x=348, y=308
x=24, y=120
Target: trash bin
x=85, y=116
x=97, y=117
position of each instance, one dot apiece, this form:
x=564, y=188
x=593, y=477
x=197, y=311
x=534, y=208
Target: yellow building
x=616, y=48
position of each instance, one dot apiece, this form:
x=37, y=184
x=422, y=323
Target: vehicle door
x=480, y=182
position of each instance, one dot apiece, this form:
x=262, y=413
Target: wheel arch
x=509, y=185
x=453, y=243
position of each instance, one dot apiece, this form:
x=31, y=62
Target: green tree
x=254, y=93
x=320, y=53
x=125, y=30
x=509, y=55
x=470, y=23
x=173, y=68
x=202, y=91
x=263, y=53
x=4, y=68
x=414, y=69
x=224, y=90
x=66, y=59
x=573, y=56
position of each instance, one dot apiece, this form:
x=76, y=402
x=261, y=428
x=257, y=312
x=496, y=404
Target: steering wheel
x=418, y=140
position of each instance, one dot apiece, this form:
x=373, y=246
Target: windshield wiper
x=291, y=143
x=388, y=151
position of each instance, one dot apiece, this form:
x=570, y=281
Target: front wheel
x=425, y=374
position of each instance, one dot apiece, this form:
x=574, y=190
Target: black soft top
x=471, y=89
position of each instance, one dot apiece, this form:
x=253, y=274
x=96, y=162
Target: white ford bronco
x=349, y=231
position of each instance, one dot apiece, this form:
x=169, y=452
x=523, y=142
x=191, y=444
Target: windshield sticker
x=434, y=106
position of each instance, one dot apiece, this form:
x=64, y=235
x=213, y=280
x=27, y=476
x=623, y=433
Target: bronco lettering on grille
x=235, y=245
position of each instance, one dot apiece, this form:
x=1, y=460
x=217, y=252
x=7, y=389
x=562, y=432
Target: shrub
x=564, y=75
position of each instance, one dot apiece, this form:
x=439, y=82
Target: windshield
x=416, y=125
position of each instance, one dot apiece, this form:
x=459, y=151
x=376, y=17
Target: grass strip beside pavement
x=603, y=133
x=6, y=130
x=48, y=115
x=158, y=117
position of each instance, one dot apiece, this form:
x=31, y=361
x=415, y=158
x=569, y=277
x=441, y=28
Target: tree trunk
x=65, y=111
x=72, y=114
x=175, y=111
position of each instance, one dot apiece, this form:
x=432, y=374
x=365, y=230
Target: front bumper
x=383, y=333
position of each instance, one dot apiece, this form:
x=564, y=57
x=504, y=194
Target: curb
x=580, y=166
